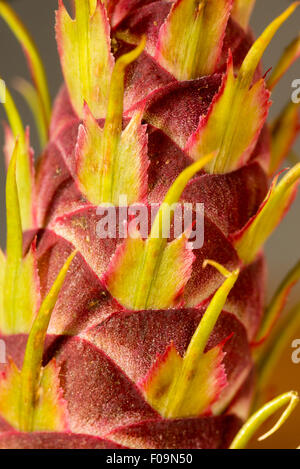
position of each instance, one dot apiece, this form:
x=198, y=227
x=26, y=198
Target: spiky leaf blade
x=204, y=387
x=212, y=127
x=87, y=63
x=290, y=55
x=50, y=413
x=284, y=131
x=251, y=238
x=204, y=27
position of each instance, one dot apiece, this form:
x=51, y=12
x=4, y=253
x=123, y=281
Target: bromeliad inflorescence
x=145, y=341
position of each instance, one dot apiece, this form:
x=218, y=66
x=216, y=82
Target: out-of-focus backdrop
x=282, y=249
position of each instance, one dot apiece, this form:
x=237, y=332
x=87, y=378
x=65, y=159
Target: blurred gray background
x=283, y=248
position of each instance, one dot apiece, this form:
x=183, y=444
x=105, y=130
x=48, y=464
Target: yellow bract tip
x=247, y=431
x=256, y=52
x=226, y=273
x=131, y=56
x=294, y=399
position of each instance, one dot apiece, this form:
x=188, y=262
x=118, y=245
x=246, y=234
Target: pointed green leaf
x=208, y=322
x=277, y=303
x=185, y=387
x=34, y=60
x=269, y=352
x=2, y=286
x=111, y=162
x=9, y=144
x=155, y=244
x=237, y=103
x=193, y=26
x=87, y=62
x=204, y=386
x=290, y=55
x=50, y=413
x=168, y=282
x=213, y=127
x=27, y=293
x=25, y=177
x=256, y=52
x=29, y=93
x=145, y=274
x=34, y=351
x=14, y=244
x=289, y=399
x=199, y=340
x=251, y=238
x=284, y=131
x=21, y=285
x=10, y=394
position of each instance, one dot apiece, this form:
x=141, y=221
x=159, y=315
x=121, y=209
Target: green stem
x=244, y=80
x=199, y=340
x=14, y=243
x=254, y=423
x=208, y=322
x=24, y=173
x=14, y=118
x=29, y=93
x=113, y=123
x=156, y=242
x=82, y=9
x=277, y=303
x=270, y=354
x=32, y=366
x=34, y=59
